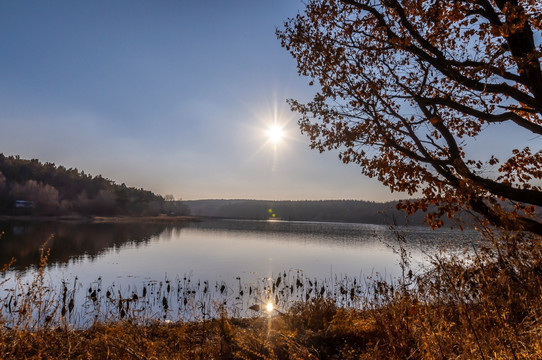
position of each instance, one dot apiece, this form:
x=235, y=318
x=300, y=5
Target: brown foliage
x=485, y=304
x=403, y=86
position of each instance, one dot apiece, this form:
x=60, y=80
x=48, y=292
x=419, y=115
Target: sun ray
x=273, y=131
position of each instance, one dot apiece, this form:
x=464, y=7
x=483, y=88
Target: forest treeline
x=355, y=211
x=32, y=187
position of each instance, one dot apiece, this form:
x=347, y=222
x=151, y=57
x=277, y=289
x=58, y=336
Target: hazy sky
x=171, y=96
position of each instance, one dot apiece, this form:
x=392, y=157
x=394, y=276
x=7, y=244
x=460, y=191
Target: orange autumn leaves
x=404, y=86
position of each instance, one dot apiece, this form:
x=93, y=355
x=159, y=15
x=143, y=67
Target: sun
x=275, y=134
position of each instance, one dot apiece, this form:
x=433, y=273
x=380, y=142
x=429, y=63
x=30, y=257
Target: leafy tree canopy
x=56, y=190
x=404, y=85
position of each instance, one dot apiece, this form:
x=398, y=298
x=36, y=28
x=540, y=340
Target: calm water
x=216, y=249
x=128, y=257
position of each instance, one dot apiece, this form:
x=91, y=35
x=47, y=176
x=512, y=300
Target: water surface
x=216, y=249
x=219, y=261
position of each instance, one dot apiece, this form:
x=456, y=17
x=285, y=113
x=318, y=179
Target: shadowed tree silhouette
x=404, y=85
x=56, y=190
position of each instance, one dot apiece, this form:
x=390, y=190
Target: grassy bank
x=315, y=330
x=486, y=305
x=303, y=333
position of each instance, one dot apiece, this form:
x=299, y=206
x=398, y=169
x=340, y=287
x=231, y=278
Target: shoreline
x=104, y=219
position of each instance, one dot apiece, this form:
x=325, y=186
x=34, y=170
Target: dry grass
x=487, y=305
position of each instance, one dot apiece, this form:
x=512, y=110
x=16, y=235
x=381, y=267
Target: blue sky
x=172, y=96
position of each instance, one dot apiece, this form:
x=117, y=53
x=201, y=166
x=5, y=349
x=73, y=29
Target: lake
x=229, y=262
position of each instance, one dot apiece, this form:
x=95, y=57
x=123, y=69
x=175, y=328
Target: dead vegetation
x=486, y=305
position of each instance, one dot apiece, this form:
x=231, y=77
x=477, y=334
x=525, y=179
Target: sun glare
x=275, y=134
x=269, y=307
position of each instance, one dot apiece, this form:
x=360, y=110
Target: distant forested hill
x=30, y=187
x=326, y=210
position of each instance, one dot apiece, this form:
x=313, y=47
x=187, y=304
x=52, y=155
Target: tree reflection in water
x=69, y=241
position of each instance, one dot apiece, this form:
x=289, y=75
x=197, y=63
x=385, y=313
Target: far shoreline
x=162, y=219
